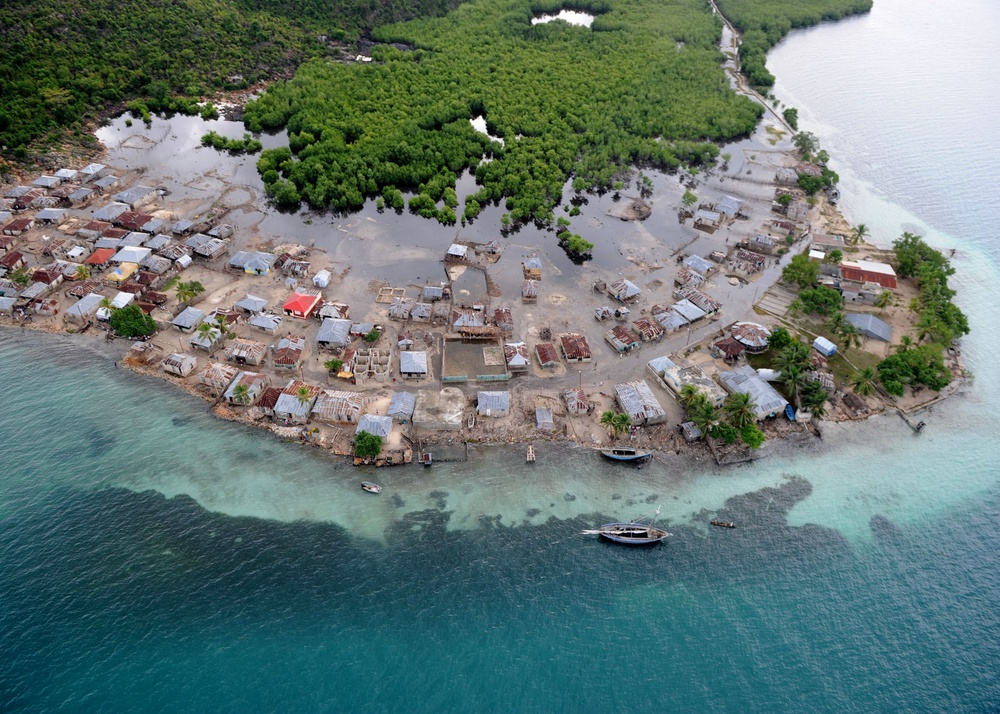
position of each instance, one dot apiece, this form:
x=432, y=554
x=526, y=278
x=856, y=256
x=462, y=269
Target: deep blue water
x=123, y=601
x=155, y=559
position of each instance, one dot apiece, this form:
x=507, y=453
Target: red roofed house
x=12, y=260
x=18, y=226
x=867, y=271
x=546, y=354
x=52, y=278
x=302, y=305
x=575, y=348
x=100, y=257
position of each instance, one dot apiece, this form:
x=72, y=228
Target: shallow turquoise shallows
x=155, y=559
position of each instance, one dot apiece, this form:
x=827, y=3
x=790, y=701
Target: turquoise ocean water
x=155, y=559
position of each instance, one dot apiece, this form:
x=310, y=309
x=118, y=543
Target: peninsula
x=725, y=301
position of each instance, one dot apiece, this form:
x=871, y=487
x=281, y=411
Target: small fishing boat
x=790, y=412
x=371, y=487
x=530, y=458
x=426, y=458
x=626, y=454
x=629, y=533
x=724, y=524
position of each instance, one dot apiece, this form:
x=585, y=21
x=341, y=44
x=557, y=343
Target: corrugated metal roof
x=402, y=404
x=698, y=263
x=378, y=425
x=636, y=399
x=751, y=334
x=190, y=317
x=870, y=326
x=493, y=402
x=252, y=303
x=412, y=362
x=745, y=380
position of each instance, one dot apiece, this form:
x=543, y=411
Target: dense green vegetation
x=63, y=60
x=764, y=22
x=644, y=87
x=367, y=445
x=940, y=321
x=246, y=145
x=131, y=321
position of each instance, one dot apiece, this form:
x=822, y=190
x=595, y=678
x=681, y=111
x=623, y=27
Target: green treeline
x=764, y=22
x=644, y=87
x=63, y=60
x=246, y=145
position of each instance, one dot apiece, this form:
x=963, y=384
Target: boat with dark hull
x=629, y=533
x=723, y=524
x=635, y=456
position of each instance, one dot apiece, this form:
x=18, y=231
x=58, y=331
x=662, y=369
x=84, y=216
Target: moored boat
x=629, y=533
x=371, y=487
x=426, y=458
x=724, y=524
x=626, y=454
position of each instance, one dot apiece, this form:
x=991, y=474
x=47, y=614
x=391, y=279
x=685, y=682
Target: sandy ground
x=648, y=255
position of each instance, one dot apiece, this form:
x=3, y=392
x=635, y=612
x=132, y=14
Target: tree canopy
x=61, y=61
x=644, y=86
x=131, y=321
x=764, y=22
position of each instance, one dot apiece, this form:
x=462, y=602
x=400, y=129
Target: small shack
x=824, y=346
x=493, y=404
x=179, y=363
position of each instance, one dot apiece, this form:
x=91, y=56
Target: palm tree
x=703, y=416
x=186, y=292
x=814, y=396
x=615, y=422
x=837, y=322
x=333, y=365
x=687, y=395
x=859, y=233
x=863, y=381
x=622, y=422
x=207, y=332
x=850, y=335
x=82, y=272
x=241, y=394
x=795, y=355
x=885, y=299
x=905, y=343
x=304, y=394
x=794, y=378
x=739, y=410
x=608, y=420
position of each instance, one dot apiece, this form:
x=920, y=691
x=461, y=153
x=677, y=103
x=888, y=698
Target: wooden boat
x=724, y=524
x=371, y=487
x=629, y=533
x=790, y=412
x=426, y=458
x=626, y=454
x=531, y=454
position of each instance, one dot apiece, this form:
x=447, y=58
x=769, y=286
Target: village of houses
x=423, y=365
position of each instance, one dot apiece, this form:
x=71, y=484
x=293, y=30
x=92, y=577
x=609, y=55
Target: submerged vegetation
x=246, y=145
x=643, y=87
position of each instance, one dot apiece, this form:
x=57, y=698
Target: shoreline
x=773, y=149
